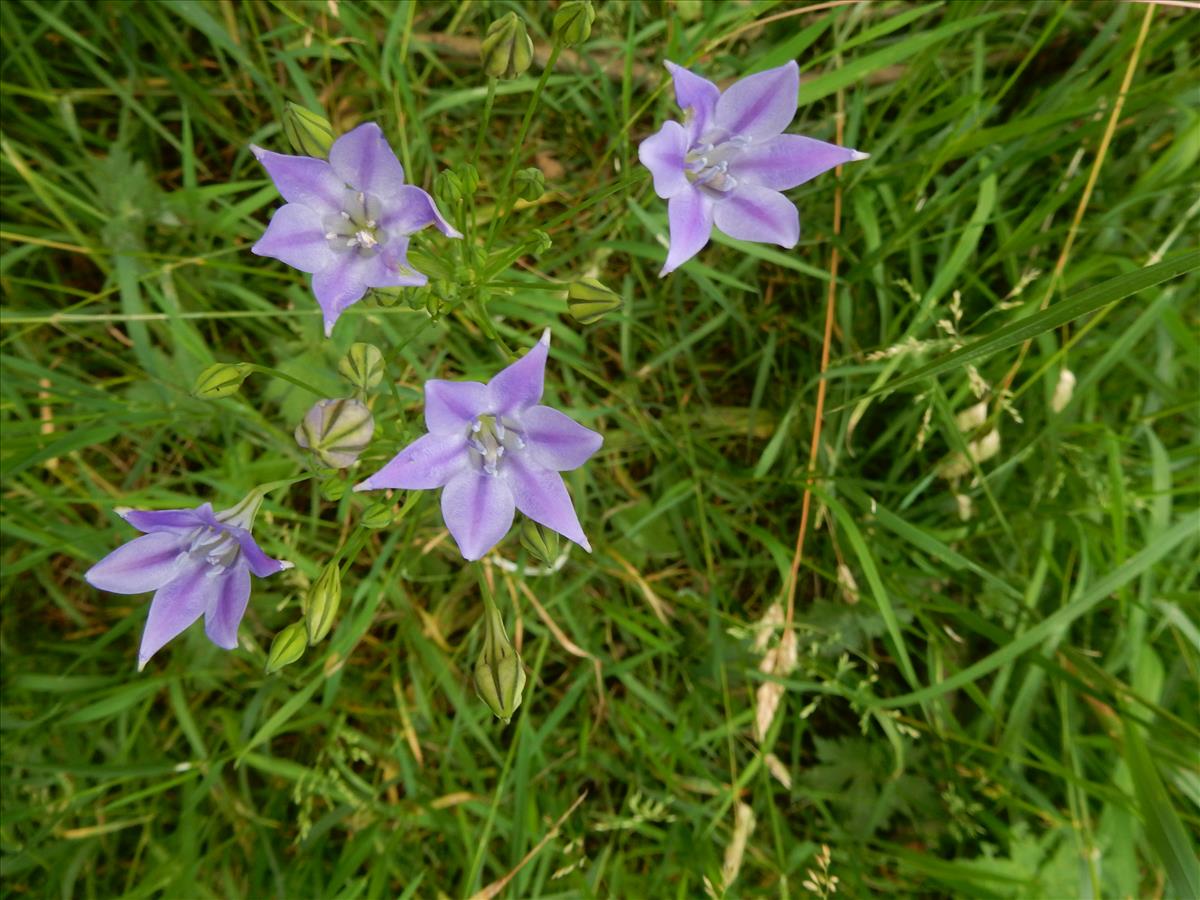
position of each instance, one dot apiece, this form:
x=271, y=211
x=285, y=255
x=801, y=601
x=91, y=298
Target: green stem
x=275, y=373
x=487, y=115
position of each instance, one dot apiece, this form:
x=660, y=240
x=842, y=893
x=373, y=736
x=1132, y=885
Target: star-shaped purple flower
x=197, y=562
x=729, y=160
x=347, y=221
x=493, y=449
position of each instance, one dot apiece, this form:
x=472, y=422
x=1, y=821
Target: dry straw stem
x=494, y=889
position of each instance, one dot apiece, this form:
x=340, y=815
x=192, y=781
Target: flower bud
x=541, y=543
x=362, y=366
x=333, y=489
x=573, y=22
x=221, y=380
x=322, y=601
x=288, y=646
x=531, y=183
x=499, y=675
x=309, y=133
x=377, y=515
x=337, y=431
x=468, y=176
x=589, y=300
x=448, y=188
x=507, y=50
x=539, y=242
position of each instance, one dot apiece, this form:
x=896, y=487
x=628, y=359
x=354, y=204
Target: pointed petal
x=363, y=159
x=761, y=105
x=428, y=462
x=752, y=213
x=520, y=384
x=410, y=209
x=341, y=285
x=177, y=605
x=167, y=520
x=695, y=93
x=663, y=154
x=303, y=179
x=543, y=497
x=478, y=509
x=296, y=237
x=258, y=562
x=226, y=606
x=555, y=440
x=690, y=214
x=144, y=564
x=451, y=406
x=788, y=160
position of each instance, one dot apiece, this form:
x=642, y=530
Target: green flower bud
x=499, y=675
x=309, y=133
x=589, y=300
x=507, y=49
x=469, y=177
x=322, y=601
x=288, y=646
x=377, y=515
x=531, y=183
x=542, y=543
x=448, y=188
x=573, y=22
x=221, y=380
x=539, y=242
x=362, y=366
x=337, y=431
x=333, y=489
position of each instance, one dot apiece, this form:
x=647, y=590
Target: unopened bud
x=573, y=22
x=541, y=543
x=309, y=133
x=337, y=431
x=288, y=646
x=333, y=489
x=589, y=300
x=531, y=183
x=362, y=366
x=499, y=675
x=377, y=515
x=507, y=49
x=322, y=601
x=1063, y=390
x=221, y=380
x=448, y=188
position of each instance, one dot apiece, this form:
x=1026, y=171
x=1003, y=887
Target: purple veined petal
x=752, y=213
x=478, y=509
x=695, y=93
x=177, y=605
x=341, y=285
x=451, y=406
x=296, y=237
x=690, y=214
x=556, y=441
x=519, y=385
x=363, y=159
x=542, y=495
x=258, y=562
x=303, y=179
x=409, y=209
x=430, y=461
x=227, y=605
x=788, y=160
x=663, y=154
x=173, y=521
x=761, y=105
x=144, y=564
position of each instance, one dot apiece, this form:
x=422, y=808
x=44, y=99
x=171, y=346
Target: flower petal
x=752, y=213
x=788, y=160
x=341, y=285
x=177, y=605
x=428, y=462
x=144, y=564
x=542, y=495
x=663, y=154
x=409, y=209
x=296, y=237
x=227, y=606
x=519, y=385
x=303, y=179
x=695, y=93
x=555, y=440
x=478, y=509
x=760, y=105
x=451, y=406
x=162, y=520
x=363, y=159
x=690, y=214
x=259, y=563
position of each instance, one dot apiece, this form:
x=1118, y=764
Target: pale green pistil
x=708, y=164
x=356, y=227
x=218, y=548
x=489, y=438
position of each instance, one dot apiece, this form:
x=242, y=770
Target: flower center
x=356, y=228
x=217, y=547
x=489, y=438
x=708, y=164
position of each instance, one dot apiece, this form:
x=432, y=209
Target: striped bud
x=573, y=22
x=322, y=601
x=541, y=543
x=499, y=675
x=507, y=50
x=288, y=646
x=337, y=431
x=588, y=301
x=362, y=366
x=531, y=183
x=309, y=133
x=378, y=515
x=221, y=380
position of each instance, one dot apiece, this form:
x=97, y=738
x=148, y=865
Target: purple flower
x=493, y=448
x=347, y=221
x=729, y=160
x=197, y=562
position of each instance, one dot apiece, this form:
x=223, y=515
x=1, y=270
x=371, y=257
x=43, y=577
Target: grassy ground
x=997, y=648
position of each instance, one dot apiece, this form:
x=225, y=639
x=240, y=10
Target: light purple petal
x=690, y=214
x=410, y=209
x=363, y=159
x=144, y=564
x=227, y=605
x=519, y=385
x=762, y=105
x=428, y=462
x=663, y=154
x=341, y=285
x=788, y=160
x=695, y=93
x=555, y=440
x=303, y=179
x=541, y=495
x=451, y=406
x=160, y=520
x=478, y=509
x=296, y=237
x=260, y=564
x=176, y=606
x=752, y=213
